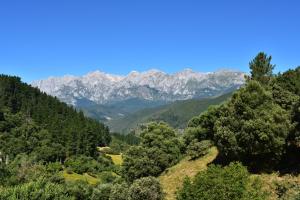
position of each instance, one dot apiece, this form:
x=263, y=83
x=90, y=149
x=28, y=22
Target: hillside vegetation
x=52, y=130
x=274, y=185
x=247, y=147
x=176, y=114
x=80, y=177
x=258, y=127
x=172, y=179
x=115, y=110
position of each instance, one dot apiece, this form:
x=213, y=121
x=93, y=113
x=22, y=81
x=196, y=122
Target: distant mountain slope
x=152, y=85
x=115, y=110
x=176, y=114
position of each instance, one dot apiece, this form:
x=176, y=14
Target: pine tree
x=261, y=68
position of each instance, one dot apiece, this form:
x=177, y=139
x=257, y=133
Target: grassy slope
x=117, y=159
x=82, y=177
x=177, y=114
x=173, y=177
x=288, y=183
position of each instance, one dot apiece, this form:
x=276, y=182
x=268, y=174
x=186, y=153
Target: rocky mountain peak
x=103, y=88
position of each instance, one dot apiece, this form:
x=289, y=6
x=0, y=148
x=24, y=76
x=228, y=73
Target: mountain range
x=139, y=95
x=153, y=85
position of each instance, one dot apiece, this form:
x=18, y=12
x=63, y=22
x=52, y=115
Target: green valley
x=176, y=114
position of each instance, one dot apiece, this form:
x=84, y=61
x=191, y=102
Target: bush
x=216, y=183
x=160, y=148
x=119, y=192
x=101, y=192
x=117, y=146
x=147, y=188
x=140, y=162
x=24, y=169
x=202, y=127
x=198, y=149
x=81, y=164
x=250, y=128
x=287, y=188
x=80, y=190
x=107, y=177
x=54, y=167
x=35, y=191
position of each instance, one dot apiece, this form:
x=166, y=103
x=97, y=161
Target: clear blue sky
x=56, y=37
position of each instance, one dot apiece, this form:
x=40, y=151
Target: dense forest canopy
x=32, y=122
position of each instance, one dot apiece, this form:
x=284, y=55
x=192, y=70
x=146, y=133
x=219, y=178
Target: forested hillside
x=258, y=127
x=246, y=148
x=115, y=110
x=176, y=114
x=35, y=123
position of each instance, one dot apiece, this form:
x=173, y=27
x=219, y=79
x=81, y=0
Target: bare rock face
x=154, y=85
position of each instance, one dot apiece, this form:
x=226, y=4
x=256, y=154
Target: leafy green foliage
x=259, y=124
x=202, y=127
x=41, y=139
x=24, y=169
x=79, y=190
x=284, y=97
x=217, y=183
x=130, y=138
x=140, y=162
x=252, y=126
x=101, y=192
x=163, y=137
x=107, y=177
x=48, y=126
x=145, y=188
x=122, y=142
x=159, y=149
x=261, y=68
x=290, y=81
x=81, y=164
x=37, y=134
x=38, y=141
x=295, y=136
x=287, y=94
x=119, y=192
x=35, y=191
x=197, y=149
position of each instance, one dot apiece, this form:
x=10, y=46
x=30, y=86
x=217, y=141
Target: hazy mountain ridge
x=176, y=114
x=152, y=85
x=115, y=110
